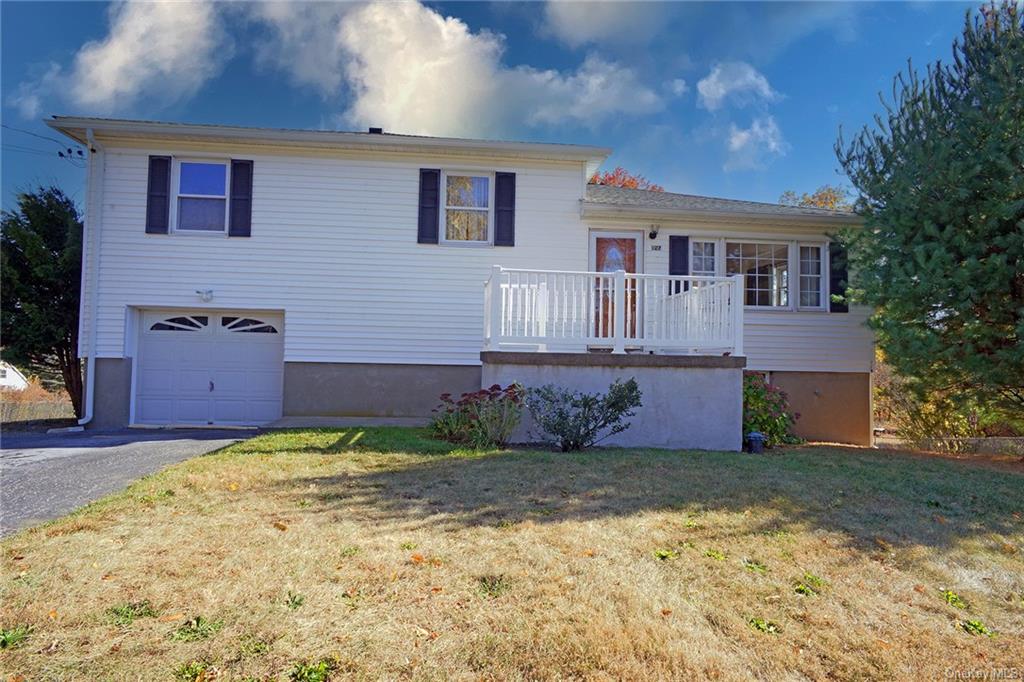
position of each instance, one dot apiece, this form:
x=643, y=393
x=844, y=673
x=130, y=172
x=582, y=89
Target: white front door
x=202, y=367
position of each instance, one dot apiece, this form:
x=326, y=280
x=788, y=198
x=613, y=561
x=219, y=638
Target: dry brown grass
x=414, y=560
x=33, y=403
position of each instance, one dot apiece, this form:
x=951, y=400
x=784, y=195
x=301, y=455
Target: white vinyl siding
x=334, y=246
x=780, y=339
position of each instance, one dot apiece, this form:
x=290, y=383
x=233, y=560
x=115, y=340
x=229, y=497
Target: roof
x=607, y=199
x=105, y=128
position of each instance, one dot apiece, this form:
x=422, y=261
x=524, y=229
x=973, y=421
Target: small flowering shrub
x=766, y=410
x=484, y=418
x=575, y=420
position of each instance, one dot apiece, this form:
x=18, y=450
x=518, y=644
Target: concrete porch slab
x=344, y=422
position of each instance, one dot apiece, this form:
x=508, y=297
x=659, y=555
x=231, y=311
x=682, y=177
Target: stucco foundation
x=688, y=401
x=112, y=392
x=329, y=389
x=833, y=406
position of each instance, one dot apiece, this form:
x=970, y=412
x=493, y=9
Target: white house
x=237, y=275
x=11, y=377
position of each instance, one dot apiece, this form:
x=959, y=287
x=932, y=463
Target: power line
x=29, y=132
x=28, y=150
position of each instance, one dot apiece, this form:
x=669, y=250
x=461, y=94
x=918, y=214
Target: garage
x=203, y=367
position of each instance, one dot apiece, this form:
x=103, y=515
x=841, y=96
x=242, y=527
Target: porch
x=621, y=312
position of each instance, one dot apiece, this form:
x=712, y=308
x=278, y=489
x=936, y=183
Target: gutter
x=93, y=211
x=589, y=209
x=150, y=130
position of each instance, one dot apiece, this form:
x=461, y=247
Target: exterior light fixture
x=205, y=295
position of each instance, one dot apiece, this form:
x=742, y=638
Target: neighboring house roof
x=77, y=127
x=605, y=200
x=11, y=376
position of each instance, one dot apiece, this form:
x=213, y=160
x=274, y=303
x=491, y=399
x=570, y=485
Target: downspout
x=92, y=218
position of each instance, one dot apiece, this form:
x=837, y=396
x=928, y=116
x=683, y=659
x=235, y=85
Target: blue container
x=755, y=442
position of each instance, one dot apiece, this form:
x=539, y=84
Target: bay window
x=765, y=269
x=777, y=274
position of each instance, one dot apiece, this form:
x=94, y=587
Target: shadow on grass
x=869, y=495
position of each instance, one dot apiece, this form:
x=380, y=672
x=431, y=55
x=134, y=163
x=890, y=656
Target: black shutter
x=504, y=209
x=430, y=194
x=240, y=209
x=158, y=195
x=837, y=274
x=678, y=258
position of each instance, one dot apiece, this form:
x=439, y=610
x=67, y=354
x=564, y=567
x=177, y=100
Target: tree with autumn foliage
x=620, y=177
x=832, y=197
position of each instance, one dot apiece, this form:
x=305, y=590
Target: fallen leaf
x=939, y=518
x=16, y=678
x=171, y=618
x=107, y=576
x=416, y=558
x=436, y=589
x=53, y=614
x=232, y=486
x=280, y=526
x=589, y=552
x=919, y=589
x=1008, y=548
x=666, y=612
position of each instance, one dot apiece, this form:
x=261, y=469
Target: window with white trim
x=811, y=276
x=201, y=199
x=702, y=259
x=765, y=268
x=466, y=214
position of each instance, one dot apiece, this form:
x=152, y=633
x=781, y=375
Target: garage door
x=209, y=368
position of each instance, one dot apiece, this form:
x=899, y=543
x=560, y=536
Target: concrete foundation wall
x=325, y=389
x=688, y=401
x=112, y=391
x=833, y=406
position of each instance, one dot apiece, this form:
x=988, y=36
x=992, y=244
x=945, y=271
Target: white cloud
x=304, y=40
x=677, y=87
x=754, y=147
x=160, y=52
x=578, y=23
x=737, y=82
x=409, y=69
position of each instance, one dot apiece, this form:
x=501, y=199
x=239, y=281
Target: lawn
x=381, y=553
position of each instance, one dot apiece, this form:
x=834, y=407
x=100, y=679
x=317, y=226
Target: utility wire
x=29, y=132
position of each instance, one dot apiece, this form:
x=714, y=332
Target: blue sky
x=725, y=99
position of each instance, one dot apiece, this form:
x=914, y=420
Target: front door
x=609, y=252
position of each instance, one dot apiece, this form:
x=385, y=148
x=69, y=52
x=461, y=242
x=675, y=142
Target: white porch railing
x=555, y=310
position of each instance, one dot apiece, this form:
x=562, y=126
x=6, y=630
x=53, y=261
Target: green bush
x=485, y=418
x=575, y=420
x=766, y=410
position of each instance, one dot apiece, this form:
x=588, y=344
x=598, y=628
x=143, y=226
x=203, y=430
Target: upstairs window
x=201, y=203
x=466, y=213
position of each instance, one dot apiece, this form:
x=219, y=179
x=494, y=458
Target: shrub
x=485, y=418
x=575, y=420
x=766, y=410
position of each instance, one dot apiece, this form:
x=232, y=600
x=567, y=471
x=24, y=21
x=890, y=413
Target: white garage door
x=209, y=368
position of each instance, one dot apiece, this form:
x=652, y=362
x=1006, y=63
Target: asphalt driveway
x=43, y=476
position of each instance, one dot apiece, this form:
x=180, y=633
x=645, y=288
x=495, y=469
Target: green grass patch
x=665, y=554
x=953, y=599
x=12, y=637
x=493, y=585
x=197, y=629
x=765, y=626
x=124, y=615
x=318, y=671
